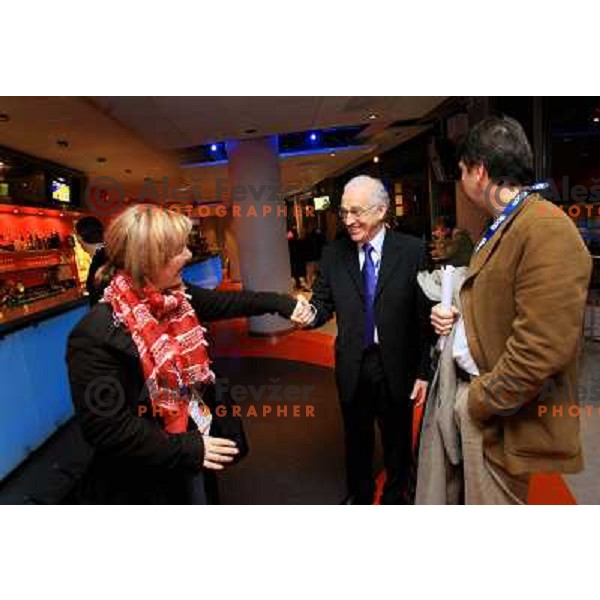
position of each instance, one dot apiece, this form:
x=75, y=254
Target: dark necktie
x=369, y=284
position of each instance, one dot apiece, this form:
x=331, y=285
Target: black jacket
x=401, y=312
x=95, y=291
x=135, y=460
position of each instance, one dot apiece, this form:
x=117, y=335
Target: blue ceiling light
x=300, y=143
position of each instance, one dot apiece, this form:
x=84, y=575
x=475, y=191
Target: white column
x=254, y=181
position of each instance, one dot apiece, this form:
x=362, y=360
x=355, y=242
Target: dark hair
x=501, y=146
x=90, y=230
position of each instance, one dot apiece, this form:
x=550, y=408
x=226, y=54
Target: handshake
x=304, y=313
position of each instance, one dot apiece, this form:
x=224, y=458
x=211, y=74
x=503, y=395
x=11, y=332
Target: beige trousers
x=485, y=483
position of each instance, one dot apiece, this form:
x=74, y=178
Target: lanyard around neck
x=508, y=210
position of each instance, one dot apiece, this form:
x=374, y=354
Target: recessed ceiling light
x=213, y=148
x=1, y=164
x=373, y=116
x=596, y=119
x=332, y=154
x=4, y=118
x=313, y=137
x=62, y=214
x=16, y=211
x=376, y=159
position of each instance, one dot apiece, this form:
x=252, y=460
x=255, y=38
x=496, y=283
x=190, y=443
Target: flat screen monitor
x=61, y=190
x=322, y=203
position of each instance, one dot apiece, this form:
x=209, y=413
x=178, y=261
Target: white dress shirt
x=460, y=350
x=376, y=255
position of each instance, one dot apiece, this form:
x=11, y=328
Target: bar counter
x=35, y=399
x=204, y=271
x=18, y=317
x=34, y=391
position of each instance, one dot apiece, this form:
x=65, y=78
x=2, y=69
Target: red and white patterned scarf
x=171, y=345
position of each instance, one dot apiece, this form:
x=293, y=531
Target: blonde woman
x=139, y=369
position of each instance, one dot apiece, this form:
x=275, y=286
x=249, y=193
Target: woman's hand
x=443, y=320
x=218, y=452
x=304, y=313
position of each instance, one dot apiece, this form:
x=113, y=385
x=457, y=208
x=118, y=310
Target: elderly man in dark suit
x=369, y=280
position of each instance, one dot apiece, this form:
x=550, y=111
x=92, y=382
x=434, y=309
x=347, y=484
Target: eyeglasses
x=355, y=212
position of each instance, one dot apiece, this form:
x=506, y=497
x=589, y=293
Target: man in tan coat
x=516, y=342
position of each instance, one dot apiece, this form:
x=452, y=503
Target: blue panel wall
x=206, y=274
x=34, y=390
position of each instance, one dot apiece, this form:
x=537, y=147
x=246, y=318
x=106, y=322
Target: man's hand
x=443, y=320
x=303, y=314
x=419, y=393
x=218, y=452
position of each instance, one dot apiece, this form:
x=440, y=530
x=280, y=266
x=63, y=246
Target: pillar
x=260, y=229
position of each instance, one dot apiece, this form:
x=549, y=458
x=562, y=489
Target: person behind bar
x=515, y=344
x=369, y=280
x=139, y=368
x=90, y=234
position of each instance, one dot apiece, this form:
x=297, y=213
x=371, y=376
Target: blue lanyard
x=518, y=199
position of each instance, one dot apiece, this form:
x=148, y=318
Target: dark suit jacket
x=401, y=312
x=135, y=460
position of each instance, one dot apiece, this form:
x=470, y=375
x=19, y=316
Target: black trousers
x=202, y=488
x=374, y=403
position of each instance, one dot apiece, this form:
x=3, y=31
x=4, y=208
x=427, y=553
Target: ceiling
x=142, y=134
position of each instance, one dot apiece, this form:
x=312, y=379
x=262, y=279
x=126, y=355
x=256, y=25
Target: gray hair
x=379, y=194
